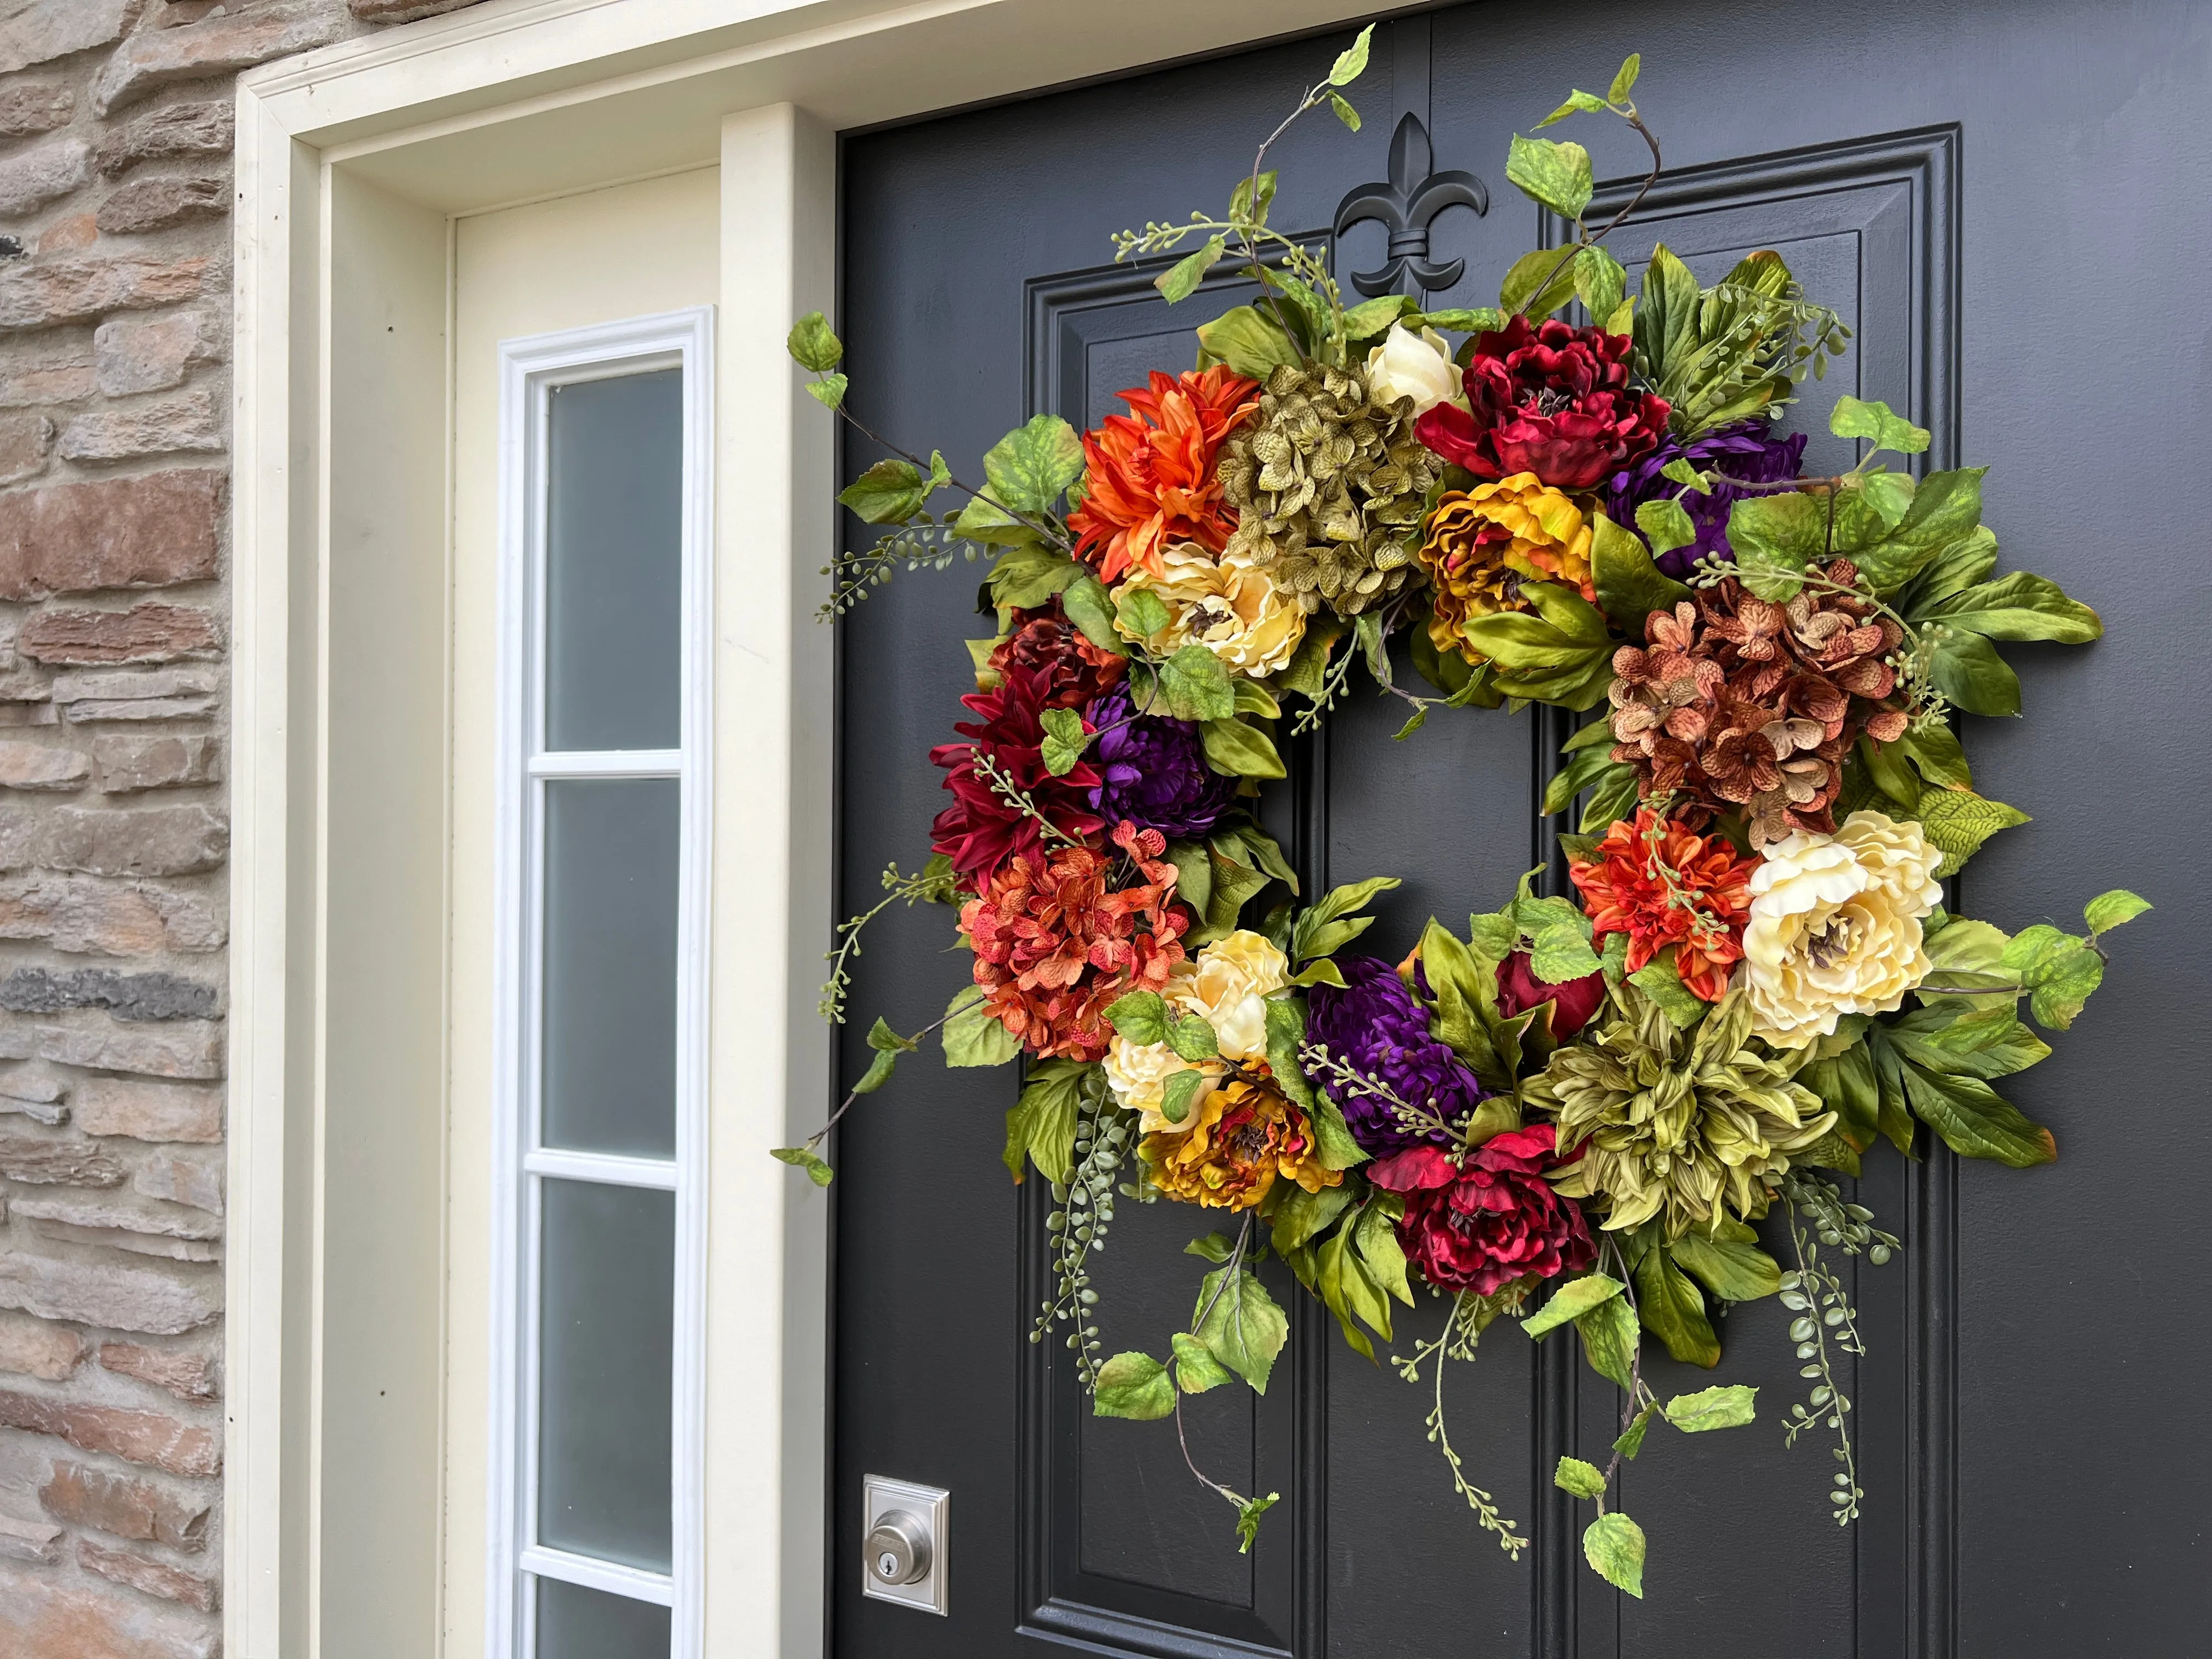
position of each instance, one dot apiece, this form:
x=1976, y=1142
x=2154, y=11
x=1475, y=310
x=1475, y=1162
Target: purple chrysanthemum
x=1152, y=771
x=1743, y=451
x=1374, y=1026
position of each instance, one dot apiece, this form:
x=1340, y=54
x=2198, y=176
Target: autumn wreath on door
x=1572, y=1113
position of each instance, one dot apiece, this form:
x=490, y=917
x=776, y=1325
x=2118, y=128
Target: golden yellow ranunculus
x=1228, y=605
x=1482, y=543
x=1835, y=926
x=1229, y=983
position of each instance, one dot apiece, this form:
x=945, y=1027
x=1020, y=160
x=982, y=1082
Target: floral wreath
x=1574, y=1114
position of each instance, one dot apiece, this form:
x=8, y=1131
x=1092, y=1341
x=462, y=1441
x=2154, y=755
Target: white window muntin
x=530, y=369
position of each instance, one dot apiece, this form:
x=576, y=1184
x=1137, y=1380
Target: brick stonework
x=115, y=318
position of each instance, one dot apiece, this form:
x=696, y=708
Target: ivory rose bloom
x=1229, y=983
x=1416, y=366
x=1835, y=926
x=1228, y=605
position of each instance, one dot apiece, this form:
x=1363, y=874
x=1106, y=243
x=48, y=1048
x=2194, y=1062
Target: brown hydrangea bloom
x=1329, y=487
x=1744, y=705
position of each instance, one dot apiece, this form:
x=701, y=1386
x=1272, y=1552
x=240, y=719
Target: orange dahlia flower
x=1151, y=476
x=1056, y=946
x=1655, y=882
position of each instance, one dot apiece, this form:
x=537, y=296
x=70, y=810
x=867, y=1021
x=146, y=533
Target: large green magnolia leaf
x=1041, y=1125
x=1735, y=1270
x=1968, y=670
x=1666, y=313
x=1975, y=1120
x=1671, y=1309
x=2016, y=606
x=1239, y=750
x=1629, y=585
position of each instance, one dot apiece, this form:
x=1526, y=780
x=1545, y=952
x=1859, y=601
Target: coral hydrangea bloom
x=1151, y=477
x=1056, y=945
x=1698, y=902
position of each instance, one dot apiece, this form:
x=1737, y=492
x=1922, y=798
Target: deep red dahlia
x=1056, y=946
x=1489, y=1220
x=983, y=830
x=1553, y=400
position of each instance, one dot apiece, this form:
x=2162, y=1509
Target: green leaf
x=828, y=391
x=1550, y=265
x=1376, y=1236
x=971, y=1036
x=1139, y=1018
x=1852, y=418
x=1775, y=537
x=1968, y=670
x=1560, y=953
x=2115, y=908
x=1629, y=585
x=2058, y=971
x=1372, y=317
x=1583, y=767
x=1587, y=102
x=1241, y=204
x=1192, y=1038
x=1041, y=1124
x=1249, y=1511
x=1661, y=981
x=1302, y=1215
x=1341, y=108
x=889, y=492
x=1028, y=576
x=1962, y=956
x=1214, y=1247
x=1730, y=1405
x=1552, y=174
x=1180, y=280
x=1134, y=1385
x=1033, y=465
x=1460, y=319
x=1352, y=61
x=1608, y=1333
x=1249, y=341
x=1065, y=740
x=889, y=1046
x=1983, y=1042
x=1731, y=1269
x=1935, y=748
x=1625, y=81
x=1884, y=765
x=1177, y=1095
x=1195, y=685
x=1196, y=1371
x=2017, y=606
x=1239, y=750
x=1582, y=1480
x=1947, y=508
x=803, y=1157
x=1600, y=282
x=1673, y=1309
x=1613, y=1544
x=1975, y=1120
x=1571, y=1301
x=1286, y=1031
x=812, y=345
x=1959, y=821
x=1667, y=314
x=1090, y=610
x=1631, y=1437
x=1141, y=612
x=1242, y=1327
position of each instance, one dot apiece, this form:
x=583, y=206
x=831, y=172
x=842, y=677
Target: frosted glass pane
x=610, y=1042
x=607, y=1329
x=614, y=563
x=575, y=1623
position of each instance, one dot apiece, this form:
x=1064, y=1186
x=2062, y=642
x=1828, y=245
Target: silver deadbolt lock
x=904, y=1542
x=898, y=1549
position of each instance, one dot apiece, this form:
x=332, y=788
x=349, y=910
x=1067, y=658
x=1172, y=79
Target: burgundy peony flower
x=1151, y=770
x=1552, y=400
x=1573, y=1002
x=1073, y=670
x=980, y=831
x=1745, y=451
x=1376, y=1026
x=1481, y=1224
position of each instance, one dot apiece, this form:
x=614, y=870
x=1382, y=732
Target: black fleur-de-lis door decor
x=1405, y=205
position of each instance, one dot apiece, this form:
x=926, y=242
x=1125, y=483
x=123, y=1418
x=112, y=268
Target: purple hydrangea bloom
x=1153, y=771
x=1743, y=450
x=1374, y=1026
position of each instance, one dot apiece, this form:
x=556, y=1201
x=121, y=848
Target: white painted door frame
x=351, y=163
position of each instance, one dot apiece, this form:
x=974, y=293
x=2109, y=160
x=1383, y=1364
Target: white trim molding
x=353, y=162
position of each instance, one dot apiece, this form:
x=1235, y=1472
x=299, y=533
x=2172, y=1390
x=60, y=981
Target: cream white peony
x=1835, y=926
x=1228, y=605
x=1416, y=366
x=1229, y=983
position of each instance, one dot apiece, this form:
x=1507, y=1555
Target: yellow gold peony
x=1227, y=605
x=1416, y=366
x=1482, y=543
x=1239, y=1141
x=1229, y=983
x=1835, y=926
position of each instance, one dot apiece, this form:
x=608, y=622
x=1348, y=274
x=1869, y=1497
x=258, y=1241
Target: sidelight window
x=596, y=1408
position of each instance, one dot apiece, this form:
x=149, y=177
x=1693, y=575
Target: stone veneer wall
x=115, y=318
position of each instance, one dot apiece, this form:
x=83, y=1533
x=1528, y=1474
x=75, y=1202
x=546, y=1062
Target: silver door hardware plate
x=904, y=1532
